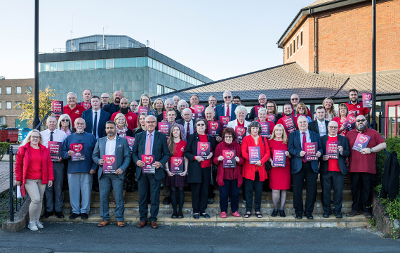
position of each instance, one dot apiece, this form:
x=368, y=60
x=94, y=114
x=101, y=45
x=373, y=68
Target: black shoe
x=299, y=216
x=205, y=215
x=196, y=216
x=47, y=214
x=60, y=215
x=167, y=200
x=282, y=213
x=274, y=213
x=309, y=216
x=74, y=216
x=210, y=201
x=326, y=214
x=180, y=215
x=174, y=216
x=84, y=216
x=338, y=215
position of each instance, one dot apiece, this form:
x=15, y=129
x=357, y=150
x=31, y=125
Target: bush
x=4, y=146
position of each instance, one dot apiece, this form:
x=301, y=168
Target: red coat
x=22, y=164
x=236, y=171
x=131, y=119
x=249, y=170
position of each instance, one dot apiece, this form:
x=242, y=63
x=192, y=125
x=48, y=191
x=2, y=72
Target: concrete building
x=109, y=63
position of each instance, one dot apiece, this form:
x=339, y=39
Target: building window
x=160, y=89
x=8, y=105
x=294, y=46
x=92, y=64
x=301, y=38
x=2, y=120
x=291, y=49
x=298, y=42
x=18, y=90
x=53, y=66
x=28, y=89
x=70, y=65
x=0, y=90
x=18, y=104
x=168, y=90
x=110, y=63
x=84, y=65
x=0, y=105
x=77, y=65
x=287, y=52
x=8, y=90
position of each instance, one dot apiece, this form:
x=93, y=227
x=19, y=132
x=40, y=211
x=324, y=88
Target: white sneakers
x=34, y=226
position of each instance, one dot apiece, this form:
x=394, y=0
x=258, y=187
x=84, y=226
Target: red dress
x=177, y=180
x=279, y=177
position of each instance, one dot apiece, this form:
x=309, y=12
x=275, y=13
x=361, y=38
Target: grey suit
x=123, y=157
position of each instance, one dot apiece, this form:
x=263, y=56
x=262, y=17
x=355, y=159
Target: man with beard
x=112, y=145
x=356, y=107
x=131, y=118
x=288, y=111
x=362, y=166
x=114, y=107
x=95, y=118
x=262, y=100
x=80, y=169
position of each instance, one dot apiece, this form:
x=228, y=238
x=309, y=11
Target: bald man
x=131, y=118
x=114, y=107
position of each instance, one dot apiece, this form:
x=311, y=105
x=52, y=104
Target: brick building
x=13, y=92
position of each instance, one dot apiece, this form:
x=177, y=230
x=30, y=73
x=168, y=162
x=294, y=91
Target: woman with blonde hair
x=64, y=124
x=279, y=177
x=158, y=106
x=122, y=126
x=145, y=101
x=329, y=106
x=33, y=171
x=301, y=110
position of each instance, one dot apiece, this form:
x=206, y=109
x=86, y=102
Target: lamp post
x=373, y=123
x=36, y=63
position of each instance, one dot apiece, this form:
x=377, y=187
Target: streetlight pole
x=36, y=63
x=373, y=123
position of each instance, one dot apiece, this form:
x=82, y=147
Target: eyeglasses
x=64, y=120
x=332, y=126
x=227, y=97
x=270, y=106
x=228, y=137
x=361, y=120
x=294, y=99
x=35, y=137
x=104, y=97
x=133, y=105
x=150, y=122
x=200, y=124
x=262, y=98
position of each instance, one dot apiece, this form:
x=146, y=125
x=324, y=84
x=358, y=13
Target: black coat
x=342, y=157
x=313, y=126
x=194, y=167
x=390, y=181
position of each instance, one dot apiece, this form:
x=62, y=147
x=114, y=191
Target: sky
x=217, y=38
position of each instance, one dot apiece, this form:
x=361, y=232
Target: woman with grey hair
x=168, y=105
x=182, y=104
x=64, y=124
x=240, y=121
x=254, y=173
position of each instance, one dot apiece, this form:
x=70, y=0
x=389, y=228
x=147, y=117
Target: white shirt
x=58, y=135
x=110, y=146
x=308, y=137
x=191, y=127
x=321, y=127
x=226, y=109
x=97, y=123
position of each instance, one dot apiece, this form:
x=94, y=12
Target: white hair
x=227, y=91
x=71, y=93
x=240, y=108
x=186, y=109
x=302, y=117
x=182, y=102
x=262, y=109
x=61, y=118
x=175, y=97
x=150, y=116
x=169, y=100
x=48, y=118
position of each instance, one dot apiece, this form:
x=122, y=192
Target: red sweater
x=131, y=119
x=249, y=170
x=229, y=173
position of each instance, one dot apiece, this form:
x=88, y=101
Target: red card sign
x=214, y=125
x=110, y=160
x=363, y=139
x=229, y=154
x=149, y=159
x=241, y=131
x=77, y=147
x=177, y=162
x=204, y=146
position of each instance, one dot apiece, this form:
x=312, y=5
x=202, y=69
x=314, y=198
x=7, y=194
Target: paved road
x=72, y=237
x=4, y=176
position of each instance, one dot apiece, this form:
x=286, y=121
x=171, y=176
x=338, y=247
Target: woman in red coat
x=254, y=173
x=229, y=179
x=33, y=170
x=279, y=177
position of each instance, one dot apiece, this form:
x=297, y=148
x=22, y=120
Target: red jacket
x=237, y=171
x=249, y=170
x=131, y=119
x=22, y=164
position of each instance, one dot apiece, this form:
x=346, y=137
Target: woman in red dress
x=177, y=182
x=343, y=113
x=279, y=177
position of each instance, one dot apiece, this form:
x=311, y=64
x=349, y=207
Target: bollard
x=11, y=155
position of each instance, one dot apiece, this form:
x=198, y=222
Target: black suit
x=313, y=126
x=161, y=154
x=101, y=126
x=160, y=117
x=111, y=108
x=333, y=179
x=184, y=123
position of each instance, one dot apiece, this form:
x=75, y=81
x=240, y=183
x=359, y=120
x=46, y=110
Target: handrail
x=41, y=122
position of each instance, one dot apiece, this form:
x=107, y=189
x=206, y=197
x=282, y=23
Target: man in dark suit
x=118, y=146
x=154, y=143
x=303, y=170
x=227, y=108
x=114, y=107
x=333, y=171
x=320, y=125
x=262, y=100
x=96, y=118
x=187, y=122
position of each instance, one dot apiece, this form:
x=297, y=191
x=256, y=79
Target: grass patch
x=4, y=207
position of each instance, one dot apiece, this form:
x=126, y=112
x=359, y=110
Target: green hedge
x=4, y=146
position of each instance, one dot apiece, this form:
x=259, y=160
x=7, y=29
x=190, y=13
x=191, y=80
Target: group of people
x=224, y=145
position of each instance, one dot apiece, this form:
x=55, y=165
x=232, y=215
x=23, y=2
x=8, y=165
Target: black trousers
x=257, y=187
x=335, y=180
x=229, y=189
x=200, y=191
x=361, y=190
x=145, y=182
x=306, y=173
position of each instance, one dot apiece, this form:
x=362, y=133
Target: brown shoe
x=367, y=215
x=103, y=223
x=120, y=224
x=154, y=224
x=352, y=213
x=142, y=224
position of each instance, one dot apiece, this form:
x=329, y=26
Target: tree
x=45, y=105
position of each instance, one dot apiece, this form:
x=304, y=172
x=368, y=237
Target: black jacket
x=313, y=126
x=390, y=181
x=342, y=157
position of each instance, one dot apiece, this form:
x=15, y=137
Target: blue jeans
x=230, y=188
x=105, y=183
x=80, y=184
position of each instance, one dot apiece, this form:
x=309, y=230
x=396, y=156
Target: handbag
x=268, y=164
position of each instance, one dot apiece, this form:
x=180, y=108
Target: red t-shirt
x=131, y=119
x=205, y=163
x=340, y=122
x=238, y=123
x=359, y=108
x=35, y=165
x=74, y=113
x=358, y=161
x=179, y=149
x=192, y=109
x=333, y=164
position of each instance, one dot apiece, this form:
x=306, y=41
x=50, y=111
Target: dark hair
x=171, y=110
x=200, y=119
x=96, y=97
x=254, y=124
x=275, y=110
x=353, y=90
x=171, y=142
x=110, y=122
x=194, y=95
x=287, y=104
x=319, y=108
x=230, y=131
x=237, y=97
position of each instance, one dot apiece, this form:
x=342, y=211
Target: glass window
x=294, y=46
x=99, y=64
x=8, y=105
x=3, y=120
x=92, y=64
x=0, y=105
x=160, y=89
x=28, y=89
x=53, y=66
x=60, y=66
x=140, y=62
x=70, y=65
x=8, y=90
x=168, y=90
x=124, y=62
x=18, y=90
x=298, y=42
x=77, y=65
x=47, y=67
x=117, y=63
x=132, y=62
x=0, y=90
x=301, y=38
x=18, y=104
x=84, y=65
x=287, y=52
x=110, y=63
x=41, y=65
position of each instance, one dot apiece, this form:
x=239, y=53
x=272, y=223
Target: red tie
x=227, y=111
x=304, y=145
x=188, y=131
x=148, y=145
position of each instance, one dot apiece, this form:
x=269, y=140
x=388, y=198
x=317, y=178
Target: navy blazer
x=160, y=152
x=342, y=162
x=294, y=147
x=313, y=126
x=101, y=128
x=220, y=111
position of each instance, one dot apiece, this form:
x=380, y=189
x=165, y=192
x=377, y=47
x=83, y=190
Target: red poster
x=240, y=132
x=350, y=121
x=361, y=142
x=214, y=128
x=332, y=149
x=203, y=149
x=311, y=151
x=57, y=108
x=224, y=121
x=164, y=115
x=131, y=141
x=55, y=150
x=176, y=165
x=110, y=164
x=271, y=118
x=164, y=127
x=79, y=154
x=86, y=105
x=256, y=108
x=142, y=109
x=265, y=127
x=199, y=111
x=289, y=124
x=367, y=99
x=279, y=158
x=148, y=161
x=229, y=158
x=254, y=154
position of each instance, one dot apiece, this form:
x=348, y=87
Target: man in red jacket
x=131, y=118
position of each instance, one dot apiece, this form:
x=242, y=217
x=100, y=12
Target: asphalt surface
x=72, y=237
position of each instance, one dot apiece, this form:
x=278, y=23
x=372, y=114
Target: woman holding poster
x=176, y=167
x=199, y=151
x=279, y=175
x=122, y=126
x=343, y=113
x=145, y=103
x=265, y=123
x=255, y=151
x=228, y=158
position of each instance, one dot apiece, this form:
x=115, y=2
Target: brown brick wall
x=344, y=39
